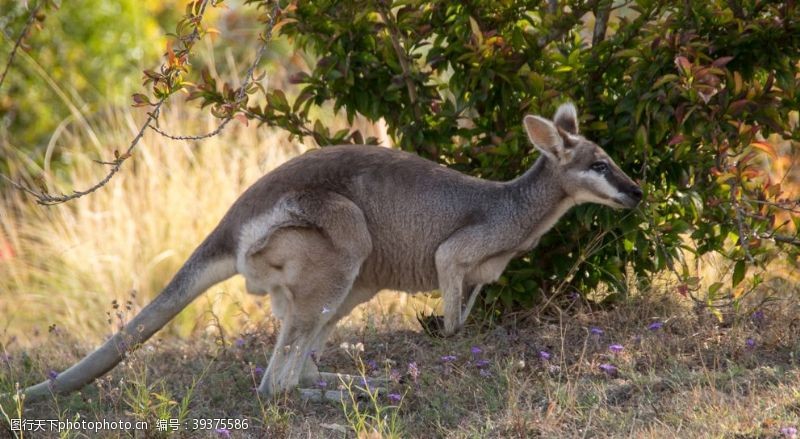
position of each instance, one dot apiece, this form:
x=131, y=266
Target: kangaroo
x=327, y=230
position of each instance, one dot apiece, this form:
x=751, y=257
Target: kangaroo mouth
x=625, y=202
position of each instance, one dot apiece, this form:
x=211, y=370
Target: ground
x=674, y=371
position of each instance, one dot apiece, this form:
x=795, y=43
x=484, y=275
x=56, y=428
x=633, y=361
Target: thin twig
x=241, y=93
x=18, y=42
x=789, y=206
x=781, y=238
x=740, y=224
x=49, y=200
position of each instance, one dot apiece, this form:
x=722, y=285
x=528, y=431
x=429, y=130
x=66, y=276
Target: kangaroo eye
x=599, y=167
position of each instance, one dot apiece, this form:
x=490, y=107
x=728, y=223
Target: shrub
x=696, y=100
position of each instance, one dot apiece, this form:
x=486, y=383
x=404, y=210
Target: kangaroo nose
x=635, y=192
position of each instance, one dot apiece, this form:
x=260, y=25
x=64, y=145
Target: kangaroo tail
x=205, y=267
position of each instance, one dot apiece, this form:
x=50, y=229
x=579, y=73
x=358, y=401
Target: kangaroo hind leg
x=308, y=271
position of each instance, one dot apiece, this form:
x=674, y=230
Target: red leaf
x=140, y=100
x=683, y=63
x=676, y=139
x=766, y=147
x=722, y=62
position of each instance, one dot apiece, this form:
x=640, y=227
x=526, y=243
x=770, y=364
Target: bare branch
x=49, y=200
x=18, y=42
x=793, y=207
x=241, y=93
x=740, y=224
x=782, y=238
x=46, y=199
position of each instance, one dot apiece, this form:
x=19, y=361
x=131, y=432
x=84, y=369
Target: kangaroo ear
x=566, y=118
x=545, y=137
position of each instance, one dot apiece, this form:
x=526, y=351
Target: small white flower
x=359, y=347
x=325, y=310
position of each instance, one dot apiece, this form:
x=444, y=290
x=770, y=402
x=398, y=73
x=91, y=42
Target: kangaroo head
x=585, y=172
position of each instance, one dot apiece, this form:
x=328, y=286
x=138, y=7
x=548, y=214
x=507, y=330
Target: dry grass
x=691, y=378
x=126, y=240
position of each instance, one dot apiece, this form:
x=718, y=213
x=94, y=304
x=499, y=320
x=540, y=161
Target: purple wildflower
x=394, y=375
x=322, y=384
x=595, y=331
x=750, y=343
x=757, y=316
x=790, y=432
x=394, y=397
x=239, y=342
x=475, y=350
x=544, y=355
x=259, y=371
x=616, y=348
x=608, y=368
x=372, y=364
x=449, y=358
x=482, y=363
x=655, y=326
x=52, y=374
x=223, y=432
x=574, y=296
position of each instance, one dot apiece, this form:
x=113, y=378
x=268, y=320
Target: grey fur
x=329, y=229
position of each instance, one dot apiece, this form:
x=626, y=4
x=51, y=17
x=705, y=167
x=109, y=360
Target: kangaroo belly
x=389, y=270
x=489, y=270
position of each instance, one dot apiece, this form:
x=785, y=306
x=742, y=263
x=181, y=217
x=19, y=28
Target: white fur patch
x=258, y=229
x=547, y=223
x=599, y=185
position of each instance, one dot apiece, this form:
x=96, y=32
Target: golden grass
x=70, y=261
x=125, y=241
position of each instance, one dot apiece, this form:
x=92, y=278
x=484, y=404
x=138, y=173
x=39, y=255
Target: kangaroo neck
x=537, y=196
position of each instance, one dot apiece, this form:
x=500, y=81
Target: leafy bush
x=696, y=100
x=690, y=97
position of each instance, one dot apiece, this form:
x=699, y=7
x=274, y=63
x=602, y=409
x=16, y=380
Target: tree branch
x=18, y=42
x=241, y=94
x=394, y=36
x=602, y=13
x=567, y=23
x=49, y=200
x=740, y=224
x=46, y=199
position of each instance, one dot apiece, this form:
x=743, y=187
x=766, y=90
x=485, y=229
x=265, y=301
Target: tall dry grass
x=65, y=265
x=69, y=262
